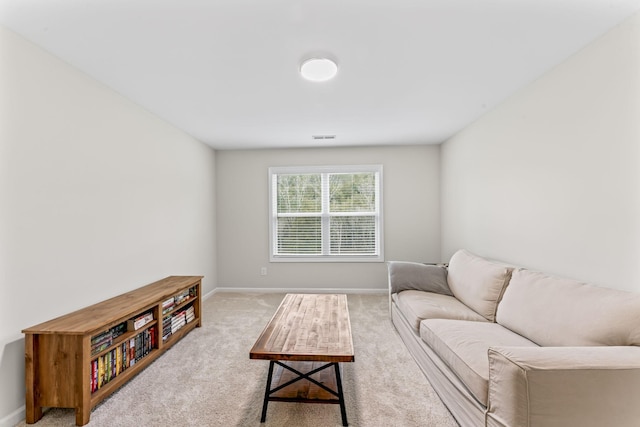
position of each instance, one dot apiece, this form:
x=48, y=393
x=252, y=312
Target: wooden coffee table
x=307, y=336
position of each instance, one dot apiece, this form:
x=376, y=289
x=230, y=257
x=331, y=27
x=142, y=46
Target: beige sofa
x=506, y=346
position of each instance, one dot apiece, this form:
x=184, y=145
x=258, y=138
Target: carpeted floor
x=207, y=379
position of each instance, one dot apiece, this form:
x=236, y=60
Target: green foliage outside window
x=351, y=208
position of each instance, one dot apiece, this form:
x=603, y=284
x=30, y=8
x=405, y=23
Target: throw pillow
x=415, y=276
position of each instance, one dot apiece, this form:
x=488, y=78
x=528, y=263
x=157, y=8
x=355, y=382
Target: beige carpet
x=207, y=379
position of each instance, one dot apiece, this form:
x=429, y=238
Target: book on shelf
x=101, y=346
x=148, y=346
x=190, y=314
x=145, y=343
x=118, y=330
x=176, y=327
x=104, y=340
x=178, y=320
x=94, y=375
x=125, y=355
x=152, y=332
x=101, y=341
x=168, y=305
x=101, y=336
x=141, y=345
x=166, y=327
x=139, y=321
x=174, y=321
x=182, y=296
x=138, y=347
x=100, y=371
x=132, y=351
x=118, y=360
x=114, y=363
x=177, y=317
x=108, y=367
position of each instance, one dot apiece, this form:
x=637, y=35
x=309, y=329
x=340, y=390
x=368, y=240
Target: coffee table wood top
x=307, y=327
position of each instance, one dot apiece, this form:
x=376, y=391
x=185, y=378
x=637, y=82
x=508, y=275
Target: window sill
x=311, y=258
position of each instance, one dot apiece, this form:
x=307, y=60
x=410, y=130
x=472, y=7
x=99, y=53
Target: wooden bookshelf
x=60, y=353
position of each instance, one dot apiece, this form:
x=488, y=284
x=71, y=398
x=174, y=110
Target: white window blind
x=326, y=213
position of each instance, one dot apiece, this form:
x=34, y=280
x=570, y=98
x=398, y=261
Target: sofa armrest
x=415, y=276
x=563, y=386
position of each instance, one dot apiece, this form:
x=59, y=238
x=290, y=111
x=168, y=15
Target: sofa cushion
x=464, y=347
x=418, y=305
x=477, y=282
x=553, y=311
x=421, y=277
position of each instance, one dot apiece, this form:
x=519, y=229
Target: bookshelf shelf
x=79, y=359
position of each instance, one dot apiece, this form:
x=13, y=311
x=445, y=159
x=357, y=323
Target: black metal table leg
x=267, y=392
x=304, y=376
x=343, y=410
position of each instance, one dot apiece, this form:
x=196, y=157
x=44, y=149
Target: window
x=326, y=213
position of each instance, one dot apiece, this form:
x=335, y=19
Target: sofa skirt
x=466, y=410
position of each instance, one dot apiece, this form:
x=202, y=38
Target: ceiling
x=226, y=71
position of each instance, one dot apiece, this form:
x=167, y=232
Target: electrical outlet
x=263, y=271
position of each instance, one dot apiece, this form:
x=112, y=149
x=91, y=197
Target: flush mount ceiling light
x=318, y=69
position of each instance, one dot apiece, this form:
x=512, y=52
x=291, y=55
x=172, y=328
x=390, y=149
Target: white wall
x=550, y=180
x=411, y=216
x=97, y=197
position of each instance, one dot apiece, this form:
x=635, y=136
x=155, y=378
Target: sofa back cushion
x=477, y=282
x=552, y=311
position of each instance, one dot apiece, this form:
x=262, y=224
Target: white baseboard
x=301, y=291
x=14, y=418
x=208, y=295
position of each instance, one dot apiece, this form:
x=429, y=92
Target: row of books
x=109, y=365
x=183, y=296
x=139, y=321
x=105, y=339
x=169, y=304
x=190, y=314
x=176, y=320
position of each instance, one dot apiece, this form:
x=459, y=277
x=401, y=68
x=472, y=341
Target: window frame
x=325, y=216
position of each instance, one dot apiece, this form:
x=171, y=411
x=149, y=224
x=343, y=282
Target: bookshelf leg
x=82, y=389
x=33, y=414
x=82, y=416
x=33, y=410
